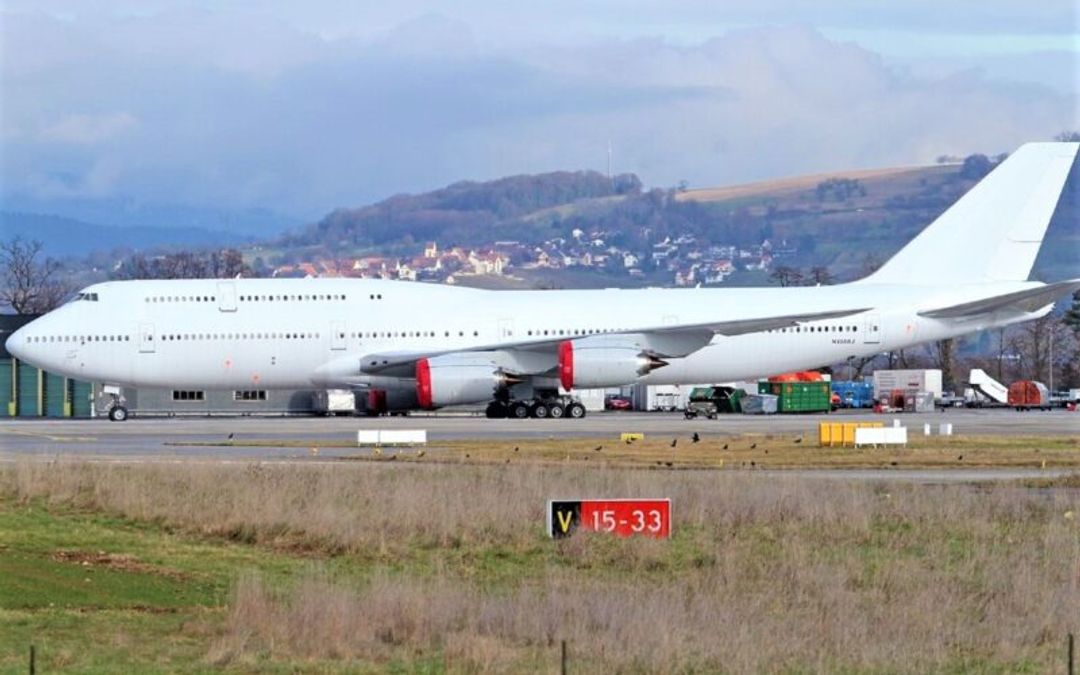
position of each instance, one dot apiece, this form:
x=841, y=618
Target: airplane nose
x=16, y=344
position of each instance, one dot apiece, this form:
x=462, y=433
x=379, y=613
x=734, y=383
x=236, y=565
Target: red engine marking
x=566, y=364
x=423, y=384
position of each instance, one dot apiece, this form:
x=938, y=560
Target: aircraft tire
x=575, y=411
x=519, y=410
x=118, y=413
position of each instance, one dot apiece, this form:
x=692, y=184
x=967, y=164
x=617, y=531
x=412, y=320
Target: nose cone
x=16, y=344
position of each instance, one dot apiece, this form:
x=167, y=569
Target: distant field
x=445, y=568
x=795, y=184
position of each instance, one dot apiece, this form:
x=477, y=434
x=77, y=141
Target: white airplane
x=426, y=346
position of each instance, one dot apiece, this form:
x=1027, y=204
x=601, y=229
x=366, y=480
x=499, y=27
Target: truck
x=1029, y=394
x=334, y=402
x=888, y=381
x=711, y=401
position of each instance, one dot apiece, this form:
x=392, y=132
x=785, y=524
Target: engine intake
x=459, y=378
x=593, y=362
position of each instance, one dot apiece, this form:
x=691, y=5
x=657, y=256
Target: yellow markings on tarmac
x=49, y=437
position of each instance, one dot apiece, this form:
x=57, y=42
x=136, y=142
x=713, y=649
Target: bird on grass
x=798, y=440
x=421, y=453
x=598, y=448
x=231, y=436
x=516, y=448
x=960, y=458
x=466, y=455
x=725, y=446
x=674, y=442
x=669, y=464
x=695, y=438
x=753, y=446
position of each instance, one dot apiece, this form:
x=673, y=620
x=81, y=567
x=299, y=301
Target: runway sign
x=622, y=517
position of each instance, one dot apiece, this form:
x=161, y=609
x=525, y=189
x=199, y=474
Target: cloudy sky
x=302, y=107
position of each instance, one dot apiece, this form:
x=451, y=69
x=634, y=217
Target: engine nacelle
x=603, y=362
x=459, y=378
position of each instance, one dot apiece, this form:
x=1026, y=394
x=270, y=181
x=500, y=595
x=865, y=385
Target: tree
x=31, y=285
x=1068, y=136
x=975, y=167
x=943, y=353
x=786, y=276
x=820, y=276
x=1072, y=314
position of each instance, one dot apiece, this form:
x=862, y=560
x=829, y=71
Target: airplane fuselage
x=277, y=333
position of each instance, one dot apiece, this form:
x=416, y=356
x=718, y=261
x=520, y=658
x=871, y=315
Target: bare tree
x=820, y=276
x=943, y=354
x=32, y=284
x=786, y=276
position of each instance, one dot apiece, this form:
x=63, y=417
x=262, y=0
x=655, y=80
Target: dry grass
x=749, y=451
x=764, y=573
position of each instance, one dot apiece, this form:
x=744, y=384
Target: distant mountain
x=70, y=237
x=124, y=212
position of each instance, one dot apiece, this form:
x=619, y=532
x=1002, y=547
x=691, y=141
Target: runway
x=165, y=438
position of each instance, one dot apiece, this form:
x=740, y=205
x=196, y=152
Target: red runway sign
x=623, y=517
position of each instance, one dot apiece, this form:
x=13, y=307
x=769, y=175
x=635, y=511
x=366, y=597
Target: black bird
x=893, y=463
x=466, y=455
x=753, y=445
x=725, y=446
x=669, y=464
x=674, y=442
x=516, y=448
x=695, y=438
x=960, y=458
x=231, y=436
x=752, y=463
x=798, y=440
x=598, y=448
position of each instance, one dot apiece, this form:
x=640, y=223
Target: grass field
x=750, y=451
x=444, y=567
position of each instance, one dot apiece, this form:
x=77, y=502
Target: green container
x=81, y=401
x=799, y=397
x=55, y=395
x=27, y=388
x=7, y=407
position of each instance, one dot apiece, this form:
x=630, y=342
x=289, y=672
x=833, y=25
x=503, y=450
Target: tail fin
x=993, y=233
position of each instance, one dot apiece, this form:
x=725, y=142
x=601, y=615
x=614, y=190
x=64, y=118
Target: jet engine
x=459, y=378
x=603, y=362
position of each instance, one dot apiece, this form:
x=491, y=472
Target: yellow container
x=832, y=434
x=631, y=437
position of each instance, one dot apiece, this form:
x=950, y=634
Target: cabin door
x=872, y=329
x=146, y=338
x=337, y=335
x=226, y=295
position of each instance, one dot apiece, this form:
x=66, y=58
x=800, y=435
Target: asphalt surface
x=164, y=438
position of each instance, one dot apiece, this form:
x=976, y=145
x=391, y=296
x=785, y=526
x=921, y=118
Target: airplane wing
x=1029, y=300
x=670, y=340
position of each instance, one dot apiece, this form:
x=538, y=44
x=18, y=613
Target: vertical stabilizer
x=992, y=233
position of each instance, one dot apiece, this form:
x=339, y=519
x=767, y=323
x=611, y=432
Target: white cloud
x=239, y=107
x=87, y=129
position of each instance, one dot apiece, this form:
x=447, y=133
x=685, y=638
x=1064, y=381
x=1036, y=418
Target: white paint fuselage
x=276, y=333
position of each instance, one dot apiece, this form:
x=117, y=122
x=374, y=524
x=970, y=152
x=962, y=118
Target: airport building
x=26, y=391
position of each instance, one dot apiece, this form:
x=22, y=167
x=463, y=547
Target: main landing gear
x=553, y=407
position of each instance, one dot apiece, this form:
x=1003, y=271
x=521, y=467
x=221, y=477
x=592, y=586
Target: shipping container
x=1027, y=394
x=854, y=394
x=759, y=404
x=799, y=396
x=886, y=381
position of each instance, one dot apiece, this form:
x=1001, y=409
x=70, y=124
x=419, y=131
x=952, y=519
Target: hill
x=845, y=222
x=71, y=237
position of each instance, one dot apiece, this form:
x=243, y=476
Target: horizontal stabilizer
x=1030, y=300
